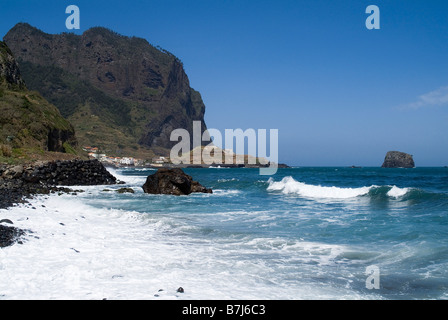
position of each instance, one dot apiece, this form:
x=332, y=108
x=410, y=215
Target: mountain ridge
x=121, y=93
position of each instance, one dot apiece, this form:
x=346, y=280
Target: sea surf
x=305, y=233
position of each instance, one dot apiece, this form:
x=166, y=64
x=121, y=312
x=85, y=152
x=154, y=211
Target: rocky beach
x=21, y=182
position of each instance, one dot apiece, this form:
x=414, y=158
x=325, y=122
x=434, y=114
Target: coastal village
x=96, y=153
x=161, y=161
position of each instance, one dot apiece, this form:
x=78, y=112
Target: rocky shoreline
x=43, y=177
x=21, y=182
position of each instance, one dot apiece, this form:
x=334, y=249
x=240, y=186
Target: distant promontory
x=397, y=159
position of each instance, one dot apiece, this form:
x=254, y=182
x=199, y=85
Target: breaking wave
x=289, y=185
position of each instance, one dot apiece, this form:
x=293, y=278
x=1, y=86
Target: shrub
x=5, y=151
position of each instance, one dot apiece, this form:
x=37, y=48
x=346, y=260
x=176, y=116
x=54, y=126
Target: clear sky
x=338, y=93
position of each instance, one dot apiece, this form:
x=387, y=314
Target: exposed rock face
x=396, y=159
x=138, y=93
x=9, y=69
x=174, y=182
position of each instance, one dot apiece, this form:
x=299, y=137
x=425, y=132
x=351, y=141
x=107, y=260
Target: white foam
x=132, y=180
x=78, y=251
x=82, y=247
x=397, y=192
x=145, y=169
x=222, y=192
x=228, y=180
x=289, y=185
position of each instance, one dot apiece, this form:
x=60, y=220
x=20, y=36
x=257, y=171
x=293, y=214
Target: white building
x=127, y=161
x=97, y=156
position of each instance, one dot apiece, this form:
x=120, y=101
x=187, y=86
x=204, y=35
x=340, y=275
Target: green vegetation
x=5, y=151
x=68, y=148
x=26, y=120
x=68, y=92
x=9, y=161
x=30, y=127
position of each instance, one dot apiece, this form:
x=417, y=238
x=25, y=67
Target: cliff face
x=396, y=159
x=9, y=69
x=117, y=91
x=28, y=121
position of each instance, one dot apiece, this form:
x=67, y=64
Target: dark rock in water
x=9, y=235
x=174, y=182
x=125, y=190
x=396, y=159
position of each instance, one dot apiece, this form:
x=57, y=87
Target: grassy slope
x=25, y=119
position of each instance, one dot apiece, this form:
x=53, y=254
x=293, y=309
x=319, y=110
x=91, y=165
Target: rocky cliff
x=396, y=159
x=9, y=70
x=27, y=121
x=120, y=93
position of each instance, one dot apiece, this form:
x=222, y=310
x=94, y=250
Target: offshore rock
x=174, y=182
x=396, y=159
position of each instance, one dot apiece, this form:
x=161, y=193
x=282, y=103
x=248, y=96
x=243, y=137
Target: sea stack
x=396, y=159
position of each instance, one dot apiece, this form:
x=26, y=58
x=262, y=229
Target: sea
x=305, y=233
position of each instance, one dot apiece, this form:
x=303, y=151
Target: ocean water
x=305, y=233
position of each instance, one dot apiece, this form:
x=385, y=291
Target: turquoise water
x=305, y=233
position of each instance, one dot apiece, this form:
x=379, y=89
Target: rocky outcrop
x=120, y=92
x=396, y=159
x=174, y=182
x=21, y=181
x=60, y=173
x=9, y=69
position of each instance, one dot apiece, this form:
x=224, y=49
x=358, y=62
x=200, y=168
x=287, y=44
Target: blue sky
x=338, y=93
